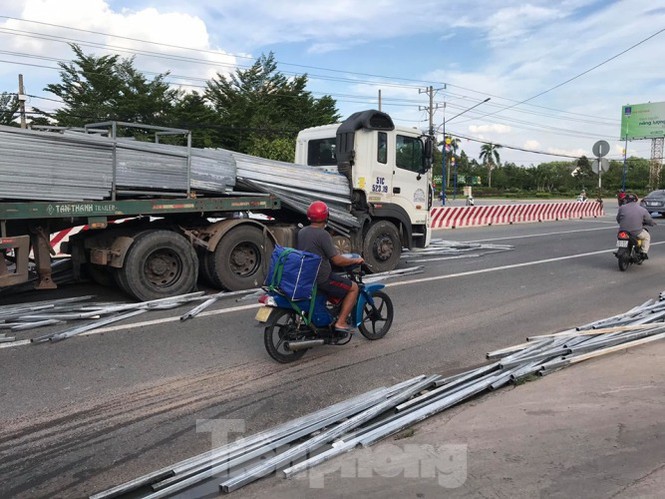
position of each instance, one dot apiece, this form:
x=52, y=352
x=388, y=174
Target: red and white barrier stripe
x=61, y=236
x=449, y=217
x=57, y=238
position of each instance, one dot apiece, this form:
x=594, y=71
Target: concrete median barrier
x=450, y=217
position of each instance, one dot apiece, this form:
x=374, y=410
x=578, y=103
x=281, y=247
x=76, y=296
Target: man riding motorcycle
x=315, y=239
x=632, y=218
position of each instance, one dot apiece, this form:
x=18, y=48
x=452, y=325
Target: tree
x=260, y=103
x=9, y=106
x=192, y=112
x=110, y=88
x=489, y=155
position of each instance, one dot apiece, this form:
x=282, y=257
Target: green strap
x=276, y=277
x=307, y=318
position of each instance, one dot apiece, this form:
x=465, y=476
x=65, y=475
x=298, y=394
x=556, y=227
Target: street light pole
x=443, y=168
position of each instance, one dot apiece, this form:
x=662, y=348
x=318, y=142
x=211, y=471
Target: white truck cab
x=389, y=170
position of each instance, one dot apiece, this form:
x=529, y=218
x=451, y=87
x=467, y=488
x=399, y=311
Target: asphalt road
x=94, y=411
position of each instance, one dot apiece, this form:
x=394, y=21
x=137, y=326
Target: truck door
x=375, y=173
x=410, y=187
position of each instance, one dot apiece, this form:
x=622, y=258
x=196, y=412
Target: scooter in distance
x=628, y=250
x=293, y=327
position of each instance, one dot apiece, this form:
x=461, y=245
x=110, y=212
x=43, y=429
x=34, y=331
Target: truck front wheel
x=239, y=261
x=382, y=247
x=159, y=264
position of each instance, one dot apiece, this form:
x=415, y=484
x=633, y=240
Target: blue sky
x=556, y=72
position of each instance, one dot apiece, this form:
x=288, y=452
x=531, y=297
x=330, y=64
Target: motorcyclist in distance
x=632, y=218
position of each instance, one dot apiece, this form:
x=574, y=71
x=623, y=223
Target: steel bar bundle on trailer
x=53, y=166
x=73, y=166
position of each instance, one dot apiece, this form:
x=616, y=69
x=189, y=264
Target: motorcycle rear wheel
x=282, y=328
x=376, y=321
x=623, y=258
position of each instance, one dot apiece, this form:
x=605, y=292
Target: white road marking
x=165, y=320
x=535, y=235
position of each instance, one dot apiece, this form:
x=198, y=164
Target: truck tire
x=159, y=264
x=382, y=246
x=207, y=269
x=99, y=274
x=240, y=260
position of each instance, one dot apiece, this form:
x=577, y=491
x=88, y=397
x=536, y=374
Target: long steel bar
x=203, y=471
x=470, y=375
x=394, y=426
x=579, y=358
x=298, y=451
x=220, y=452
x=369, y=399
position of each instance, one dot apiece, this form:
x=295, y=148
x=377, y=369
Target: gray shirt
x=318, y=241
x=632, y=218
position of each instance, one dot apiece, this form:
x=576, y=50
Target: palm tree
x=489, y=155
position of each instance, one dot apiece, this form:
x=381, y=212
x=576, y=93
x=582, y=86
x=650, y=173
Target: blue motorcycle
x=293, y=327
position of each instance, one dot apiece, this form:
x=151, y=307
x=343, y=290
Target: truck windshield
x=410, y=153
x=321, y=152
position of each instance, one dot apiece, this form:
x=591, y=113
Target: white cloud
x=485, y=129
x=162, y=41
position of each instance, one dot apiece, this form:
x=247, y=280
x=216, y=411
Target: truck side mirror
x=427, y=158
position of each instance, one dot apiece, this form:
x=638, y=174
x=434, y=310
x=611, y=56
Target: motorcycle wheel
x=376, y=321
x=624, y=259
x=281, y=328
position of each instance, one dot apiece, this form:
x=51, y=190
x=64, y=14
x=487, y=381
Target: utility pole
x=430, y=91
x=21, y=99
x=431, y=109
x=379, y=99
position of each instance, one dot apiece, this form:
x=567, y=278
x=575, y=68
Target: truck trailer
x=158, y=218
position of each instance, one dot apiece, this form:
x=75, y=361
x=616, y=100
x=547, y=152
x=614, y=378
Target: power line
x=582, y=73
x=189, y=79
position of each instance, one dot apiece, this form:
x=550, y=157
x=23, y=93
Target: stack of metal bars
x=75, y=166
x=407, y=404
x=298, y=186
x=439, y=249
x=52, y=166
x=89, y=316
x=145, y=165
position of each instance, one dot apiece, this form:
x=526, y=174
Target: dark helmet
x=318, y=212
x=631, y=198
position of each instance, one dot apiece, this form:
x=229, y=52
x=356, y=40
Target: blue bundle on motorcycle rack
x=293, y=272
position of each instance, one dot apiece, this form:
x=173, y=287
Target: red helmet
x=317, y=212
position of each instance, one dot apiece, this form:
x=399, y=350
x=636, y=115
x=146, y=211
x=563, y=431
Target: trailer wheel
x=382, y=247
x=239, y=261
x=158, y=264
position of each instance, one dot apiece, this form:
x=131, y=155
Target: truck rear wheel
x=158, y=264
x=382, y=247
x=239, y=261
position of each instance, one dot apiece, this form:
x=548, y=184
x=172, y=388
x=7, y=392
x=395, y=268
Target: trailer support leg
x=42, y=250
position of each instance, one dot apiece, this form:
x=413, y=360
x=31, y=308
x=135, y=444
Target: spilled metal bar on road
x=270, y=465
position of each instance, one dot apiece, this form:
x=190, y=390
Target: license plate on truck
x=622, y=243
x=263, y=314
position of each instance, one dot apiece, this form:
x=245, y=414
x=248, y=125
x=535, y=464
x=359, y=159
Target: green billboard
x=643, y=121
